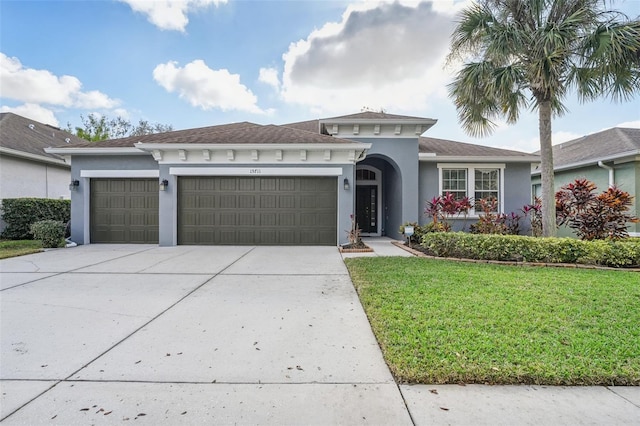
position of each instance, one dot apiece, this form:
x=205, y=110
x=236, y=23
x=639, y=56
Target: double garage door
x=257, y=210
x=219, y=210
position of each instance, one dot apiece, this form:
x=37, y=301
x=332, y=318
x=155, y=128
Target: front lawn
x=12, y=248
x=440, y=321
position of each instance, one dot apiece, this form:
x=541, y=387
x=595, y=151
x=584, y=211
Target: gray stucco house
x=292, y=184
x=610, y=157
x=26, y=170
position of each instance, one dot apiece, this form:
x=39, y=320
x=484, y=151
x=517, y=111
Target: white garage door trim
x=255, y=171
x=119, y=173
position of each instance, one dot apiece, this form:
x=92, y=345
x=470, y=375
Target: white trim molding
x=119, y=173
x=255, y=171
x=338, y=153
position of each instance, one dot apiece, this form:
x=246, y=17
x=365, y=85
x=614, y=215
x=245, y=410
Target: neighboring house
x=610, y=157
x=26, y=170
x=294, y=184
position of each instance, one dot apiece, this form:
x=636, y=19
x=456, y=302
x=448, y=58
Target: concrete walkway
x=107, y=334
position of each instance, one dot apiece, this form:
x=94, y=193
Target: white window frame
x=471, y=178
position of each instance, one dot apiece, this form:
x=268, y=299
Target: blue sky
x=195, y=63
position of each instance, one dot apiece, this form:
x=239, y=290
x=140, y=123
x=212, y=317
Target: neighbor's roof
x=607, y=145
x=24, y=137
x=442, y=149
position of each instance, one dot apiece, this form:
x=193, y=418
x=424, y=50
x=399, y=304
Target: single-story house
x=292, y=184
x=26, y=170
x=607, y=158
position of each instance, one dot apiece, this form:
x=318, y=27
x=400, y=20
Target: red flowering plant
x=443, y=208
x=591, y=216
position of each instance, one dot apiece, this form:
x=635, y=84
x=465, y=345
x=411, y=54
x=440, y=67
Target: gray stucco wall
x=398, y=160
x=168, y=199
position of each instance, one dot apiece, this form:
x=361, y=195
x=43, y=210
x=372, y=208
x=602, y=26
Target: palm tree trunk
x=549, y=228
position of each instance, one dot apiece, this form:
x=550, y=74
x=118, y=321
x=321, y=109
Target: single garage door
x=124, y=211
x=257, y=210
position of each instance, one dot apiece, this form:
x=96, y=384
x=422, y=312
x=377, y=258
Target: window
x=365, y=174
x=476, y=181
x=455, y=182
x=487, y=185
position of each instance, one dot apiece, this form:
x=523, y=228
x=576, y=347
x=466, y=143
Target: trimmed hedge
x=49, y=232
x=20, y=213
x=620, y=253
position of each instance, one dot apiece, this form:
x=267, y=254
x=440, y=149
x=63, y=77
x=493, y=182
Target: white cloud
x=270, y=77
x=34, y=112
x=206, y=88
x=121, y=112
x=169, y=14
x=43, y=87
x=388, y=55
x=630, y=124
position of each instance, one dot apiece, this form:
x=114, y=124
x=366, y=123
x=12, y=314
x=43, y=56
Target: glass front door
x=367, y=208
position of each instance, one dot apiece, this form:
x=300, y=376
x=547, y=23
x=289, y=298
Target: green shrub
x=49, y=232
x=20, y=213
x=617, y=254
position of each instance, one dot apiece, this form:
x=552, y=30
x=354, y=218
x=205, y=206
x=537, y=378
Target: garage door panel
x=268, y=201
x=228, y=201
x=268, y=219
x=246, y=202
x=246, y=219
x=288, y=236
x=287, y=202
x=124, y=211
x=257, y=210
x=269, y=237
x=246, y=184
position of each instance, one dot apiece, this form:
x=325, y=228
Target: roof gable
x=371, y=115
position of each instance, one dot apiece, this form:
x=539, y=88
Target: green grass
x=439, y=321
x=12, y=248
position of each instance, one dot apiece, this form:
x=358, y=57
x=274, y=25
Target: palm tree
x=532, y=54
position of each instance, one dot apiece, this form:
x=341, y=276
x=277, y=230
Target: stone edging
x=360, y=250
x=418, y=253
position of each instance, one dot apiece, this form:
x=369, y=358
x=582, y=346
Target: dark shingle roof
x=371, y=115
x=309, y=126
x=443, y=147
x=198, y=135
x=29, y=136
x=597, y=146
x=237, y=133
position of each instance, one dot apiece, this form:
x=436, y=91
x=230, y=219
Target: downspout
x=612, y=180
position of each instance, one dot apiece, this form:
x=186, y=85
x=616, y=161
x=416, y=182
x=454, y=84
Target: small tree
x=591, y=216
x=96, y=128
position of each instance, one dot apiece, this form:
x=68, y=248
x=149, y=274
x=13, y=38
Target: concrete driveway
x=109, y=333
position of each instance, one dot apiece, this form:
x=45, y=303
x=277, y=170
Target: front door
x=367, y=208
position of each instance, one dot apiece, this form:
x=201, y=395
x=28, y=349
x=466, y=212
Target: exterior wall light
x=164, y=184
x=74, y=185
x=346, y=184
